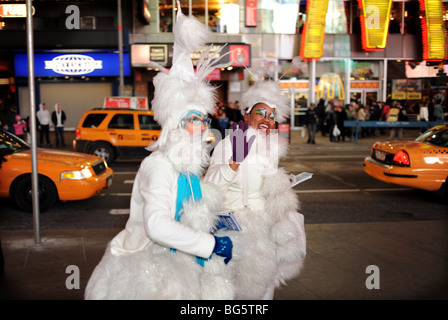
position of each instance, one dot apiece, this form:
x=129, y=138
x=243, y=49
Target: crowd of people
x=328, y=117
x=12, y=121
x=225, y=115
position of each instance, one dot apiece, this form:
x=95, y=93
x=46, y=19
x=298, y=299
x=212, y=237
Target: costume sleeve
x=219, y=173
x=156, y=189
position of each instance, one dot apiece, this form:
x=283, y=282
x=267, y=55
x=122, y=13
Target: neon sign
x=374, y=23
x=332, y=85
x=314, y=30
x=433, y=33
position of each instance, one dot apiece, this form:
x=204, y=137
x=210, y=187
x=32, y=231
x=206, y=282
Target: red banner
x=251, y=13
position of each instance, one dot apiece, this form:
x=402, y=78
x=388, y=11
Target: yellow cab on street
x=123, y=128
x=420, y=164
x=63, y=175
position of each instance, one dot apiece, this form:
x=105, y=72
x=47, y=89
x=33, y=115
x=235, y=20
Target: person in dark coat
x=311, y=120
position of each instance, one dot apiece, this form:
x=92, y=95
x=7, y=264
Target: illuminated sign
x=330, y=86
x=73, y=65
x=297, y=85
x=138, y=103
x=314, y=30
x=374, y=23
x=410, y=89
x=143, y=54
x=433, y=32
x=240, y=55
x=251, y=13
x=16, y=10
x=364, y=84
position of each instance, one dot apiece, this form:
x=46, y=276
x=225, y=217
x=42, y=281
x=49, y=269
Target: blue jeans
x=59, y=133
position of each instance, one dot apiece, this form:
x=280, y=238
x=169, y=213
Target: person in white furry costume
x=165, y=250
x=271, y=247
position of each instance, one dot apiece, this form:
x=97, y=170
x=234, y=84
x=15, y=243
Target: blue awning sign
x=74, y=65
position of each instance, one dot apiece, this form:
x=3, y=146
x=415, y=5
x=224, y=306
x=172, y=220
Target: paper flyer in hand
x=301, y=177
x=227, y=221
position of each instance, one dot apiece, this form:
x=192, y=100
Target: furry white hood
x=267, y=92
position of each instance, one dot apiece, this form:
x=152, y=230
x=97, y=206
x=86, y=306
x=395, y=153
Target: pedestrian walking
x=310, y=122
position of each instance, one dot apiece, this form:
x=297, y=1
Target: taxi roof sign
x=135, y=103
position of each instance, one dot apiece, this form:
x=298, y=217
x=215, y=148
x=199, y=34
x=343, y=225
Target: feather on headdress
x=180, y=89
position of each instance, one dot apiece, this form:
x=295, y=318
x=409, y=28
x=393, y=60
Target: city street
x=352, y=221
x=339, y=191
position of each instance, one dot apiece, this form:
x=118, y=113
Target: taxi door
x=122, y=131
x=149, y=129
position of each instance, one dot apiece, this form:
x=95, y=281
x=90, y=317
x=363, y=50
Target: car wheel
x=22, y=193
x=103, y=150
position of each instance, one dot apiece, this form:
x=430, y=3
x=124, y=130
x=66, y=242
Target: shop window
x=331, y=85
x=279, y=16
x=336, y=20
x=364, y=70
x=220, y=16
x=396, y=17
x=293, y=70
x=412, y=18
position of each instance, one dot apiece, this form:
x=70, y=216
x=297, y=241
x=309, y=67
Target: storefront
x=77, y=81
x=227, y=81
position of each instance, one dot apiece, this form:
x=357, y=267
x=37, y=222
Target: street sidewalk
x=409, y=259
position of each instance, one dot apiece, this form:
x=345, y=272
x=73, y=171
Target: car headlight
x=77, y=174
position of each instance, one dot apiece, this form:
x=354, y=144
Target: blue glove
x=223, y=248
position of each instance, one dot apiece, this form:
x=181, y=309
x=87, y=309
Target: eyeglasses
x=196, y=121
x=262, y=112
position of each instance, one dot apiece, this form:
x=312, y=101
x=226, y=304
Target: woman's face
x=261, y=117
x=195, y=122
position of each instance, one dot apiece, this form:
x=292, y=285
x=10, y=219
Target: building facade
x=266, y=41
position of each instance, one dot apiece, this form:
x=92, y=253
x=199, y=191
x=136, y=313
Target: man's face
x=195, y=122
x=261, y=117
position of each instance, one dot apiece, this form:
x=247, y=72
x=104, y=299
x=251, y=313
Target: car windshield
x=10, y=143
x=438, y=137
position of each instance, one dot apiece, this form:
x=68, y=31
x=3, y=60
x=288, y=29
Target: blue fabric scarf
x=187, y=186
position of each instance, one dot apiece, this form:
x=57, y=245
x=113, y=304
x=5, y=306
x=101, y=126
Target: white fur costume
x=138, y=262
x=271, y=247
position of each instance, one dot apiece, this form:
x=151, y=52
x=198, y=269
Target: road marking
x=124, y=172
x=119, y=211
x=128, y=181
x=352, y=190
x=115, y=194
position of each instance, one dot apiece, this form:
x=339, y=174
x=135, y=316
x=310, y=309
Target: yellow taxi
x=116, y=133
x=420, y=164
x=63, y=175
